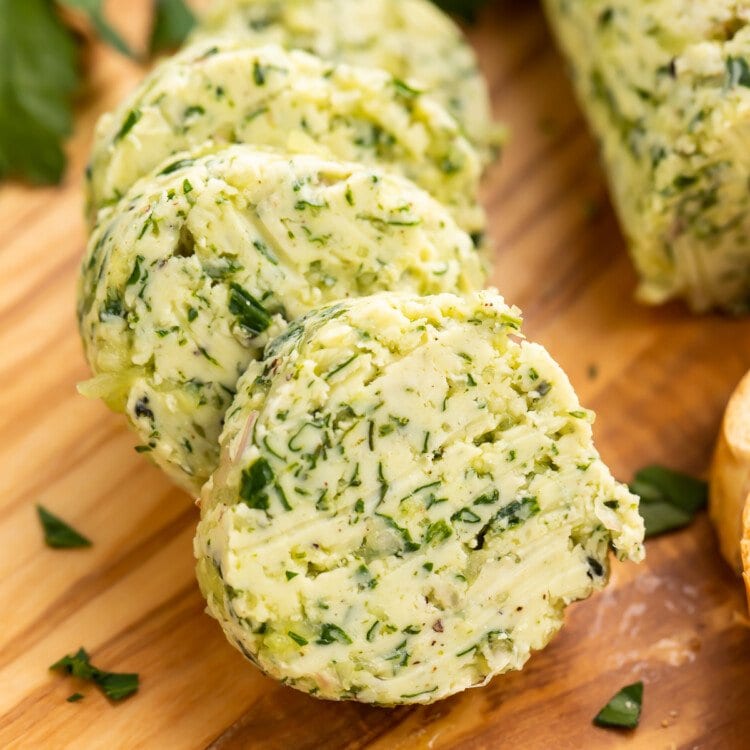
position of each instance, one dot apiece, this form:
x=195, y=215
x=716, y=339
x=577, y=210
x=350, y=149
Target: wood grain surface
x=658, y=378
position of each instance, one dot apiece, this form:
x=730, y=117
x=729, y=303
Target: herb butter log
x=407, y=499
x=666, y=86
x=187, y=277
x=411, y=39
x=227, y=92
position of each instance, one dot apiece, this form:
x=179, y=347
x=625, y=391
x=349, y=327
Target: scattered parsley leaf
x=38, y=76
x=95, y=13
x=74, y=698
x=669, y=499
x=115, y=685
x=624, y=708
x=172, y=23
x=57, y=533
x=76, y=664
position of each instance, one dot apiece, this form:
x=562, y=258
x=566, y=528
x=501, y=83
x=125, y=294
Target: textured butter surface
x=408, y=496
x=411, y=39
x=187, y=277
x=227, y=92
x=666, y=86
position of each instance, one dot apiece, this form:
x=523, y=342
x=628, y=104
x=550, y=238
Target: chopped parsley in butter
x=411, y=39
x=187, y=277
x=408, y=497
x=216, y=93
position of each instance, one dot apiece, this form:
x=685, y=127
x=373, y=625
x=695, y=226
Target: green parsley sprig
x=466, y=9
x=40, y=74
x=669, y=499
x=115, y=685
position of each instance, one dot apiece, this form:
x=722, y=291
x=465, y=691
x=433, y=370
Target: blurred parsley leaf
x=95, y=13
x=38, y=76
x=466, y=9
x=172, y=23
x=669, y=499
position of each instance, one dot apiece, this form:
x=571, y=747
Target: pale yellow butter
x=216, y=93
x=407, y=499
x=187, y=277
x=411, y=39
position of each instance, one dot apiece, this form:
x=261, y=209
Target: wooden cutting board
x=658, y=378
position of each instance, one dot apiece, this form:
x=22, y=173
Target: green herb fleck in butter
x=219, y=92
x=424, y=565
x=189, y=275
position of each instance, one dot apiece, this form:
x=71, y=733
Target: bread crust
x=729, y=506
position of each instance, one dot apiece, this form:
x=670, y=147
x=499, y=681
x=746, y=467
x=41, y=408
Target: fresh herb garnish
x=115, y=685
x=623, y=710
x=95, y=14
x=409, y=544
x=172, y=23
x=59, y=534
x=74, y=698
x=439, y=530
x=669, y=499
x=41, y=73
x=259, y=74
x=37, y=81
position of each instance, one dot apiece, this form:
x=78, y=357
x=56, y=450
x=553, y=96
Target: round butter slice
x=186, y=279
x=408, y=497
x=411, y=39
x=227, y=92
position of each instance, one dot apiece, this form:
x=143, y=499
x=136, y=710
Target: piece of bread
x=407, y=499
x=730, y=482
x=192, y=271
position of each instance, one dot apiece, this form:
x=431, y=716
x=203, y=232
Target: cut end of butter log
x=191, y=273
x=666, y=87
x=408, y=497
